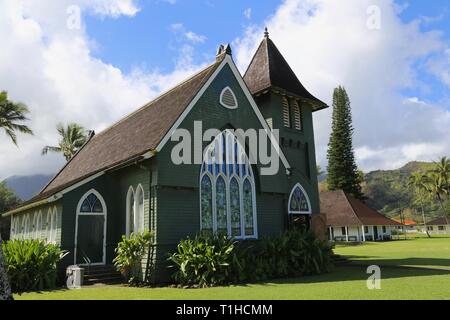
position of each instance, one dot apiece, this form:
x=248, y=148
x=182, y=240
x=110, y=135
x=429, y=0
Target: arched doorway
x=90, y=230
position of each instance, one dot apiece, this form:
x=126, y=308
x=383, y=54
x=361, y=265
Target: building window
x=130, y=212
x=296, y=114
x=430, y=228
x=441, y=228
x=52, y=225
x=26, y=227
x=39, y=225
x=344, y=231
x=227, y=189
x=286, y=113
x=384, y=229
x=228, y=99
x=139, y=207
x=366, y=229
x=299, y=201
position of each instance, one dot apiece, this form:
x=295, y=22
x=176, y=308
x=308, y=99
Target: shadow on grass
x=426, y=262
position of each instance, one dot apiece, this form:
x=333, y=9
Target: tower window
x=286, y=113
x=297, y=116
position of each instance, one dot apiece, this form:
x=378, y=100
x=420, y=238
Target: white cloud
x=327, y=43
x=187, y=35
x=51, y=69
x=248, y=13
x=414, y=100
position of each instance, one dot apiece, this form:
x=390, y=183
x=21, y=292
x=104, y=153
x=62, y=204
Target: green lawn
x=342, y=283
x=419, y=251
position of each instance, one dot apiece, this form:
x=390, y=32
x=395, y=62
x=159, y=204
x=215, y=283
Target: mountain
x=27, y=186
x=387, y=191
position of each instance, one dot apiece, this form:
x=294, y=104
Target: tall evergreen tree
x=342, y=170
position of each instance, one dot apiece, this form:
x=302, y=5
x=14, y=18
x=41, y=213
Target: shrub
x=208, y=261
x=130, y=253
x=31, y=264
x=204, y=261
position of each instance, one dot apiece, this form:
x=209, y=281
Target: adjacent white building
x=439, y=226
x=351, y=220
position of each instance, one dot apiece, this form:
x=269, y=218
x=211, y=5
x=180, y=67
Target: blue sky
x=129, y=51
x=148, y=41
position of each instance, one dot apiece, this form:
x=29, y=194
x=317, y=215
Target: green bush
x=31, y=264
x=130, y=253
x=218, y=260
x=204, y=261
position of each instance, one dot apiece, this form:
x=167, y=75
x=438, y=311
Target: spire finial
x=266, y=33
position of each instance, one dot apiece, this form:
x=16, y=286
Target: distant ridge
x=26, y=187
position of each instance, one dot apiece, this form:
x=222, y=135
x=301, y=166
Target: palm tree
x=418, y=182
x=443, y=169
x=72, y=139
x=437, y=186
x=11, y=116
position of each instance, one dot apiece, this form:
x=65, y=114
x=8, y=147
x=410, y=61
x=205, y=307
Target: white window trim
x=298, y=185
x=127, y=224
x=234, y=97
x=104, y=213
x=139, y=209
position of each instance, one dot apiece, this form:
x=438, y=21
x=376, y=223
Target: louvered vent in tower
x=286, y=113
x=297, y=115
x=228, y=99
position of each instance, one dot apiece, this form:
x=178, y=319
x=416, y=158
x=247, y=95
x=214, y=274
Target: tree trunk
x=425, y=221
x=5, y=290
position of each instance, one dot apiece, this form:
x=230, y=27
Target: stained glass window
x=298, y=201
x=226, y=182
x=91, y=205
x=206, y=204
x=221, y=205
x=235, y=208
x=248, y=207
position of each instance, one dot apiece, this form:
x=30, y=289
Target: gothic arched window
x=227, y=189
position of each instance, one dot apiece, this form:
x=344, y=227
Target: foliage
x=130, y=253
x=218, y=260
x=342, y=169
x=204, y=260
x=31, y=264
x=8, y=201
x=11, y=116
x=72, y=138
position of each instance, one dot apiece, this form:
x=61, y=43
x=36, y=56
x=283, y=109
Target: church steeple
x=268, y=69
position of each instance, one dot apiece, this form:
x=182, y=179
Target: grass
x=343, y=283
x=417, y=252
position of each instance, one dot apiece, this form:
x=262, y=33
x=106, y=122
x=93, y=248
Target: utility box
x=75, y=276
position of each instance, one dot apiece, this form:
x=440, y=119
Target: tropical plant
x=204, y=260
x=342, y=170
x=437, y=187
x=72, y=138
x=418, y=183
x=31, y=264
x=5, y=289
x=130, y=252
x=11, y=116
x=219, y=260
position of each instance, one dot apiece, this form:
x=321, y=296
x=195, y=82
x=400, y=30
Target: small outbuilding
x=349, y=219
x=439, y=226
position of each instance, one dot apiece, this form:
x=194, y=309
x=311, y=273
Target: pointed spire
x=269, y=69
x=266, y=33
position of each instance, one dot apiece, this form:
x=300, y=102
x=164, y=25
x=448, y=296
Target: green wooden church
x=123, y=179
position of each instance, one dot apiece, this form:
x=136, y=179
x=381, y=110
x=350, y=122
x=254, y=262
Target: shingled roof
x=269, y=69
x=342, y=209
x=131, y=137
x=439, y=222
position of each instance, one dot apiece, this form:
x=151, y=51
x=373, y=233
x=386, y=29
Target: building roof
x=269, y=69
x=342, y=209
x=130, y=138
x=406, y=222
x=439, y=222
